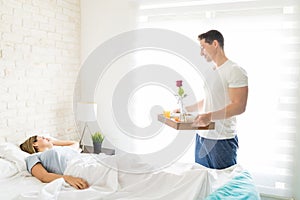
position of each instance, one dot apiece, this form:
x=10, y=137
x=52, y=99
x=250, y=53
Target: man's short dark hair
x=212, y=35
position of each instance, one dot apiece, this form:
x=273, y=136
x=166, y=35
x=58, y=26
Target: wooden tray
x=183, y=125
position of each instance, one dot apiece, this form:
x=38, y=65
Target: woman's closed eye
x=35, y=139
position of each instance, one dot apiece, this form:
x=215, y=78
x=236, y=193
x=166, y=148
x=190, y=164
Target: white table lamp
x=86, y=112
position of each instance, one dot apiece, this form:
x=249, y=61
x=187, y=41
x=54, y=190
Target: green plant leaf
x=97, y=137
x=180, y=91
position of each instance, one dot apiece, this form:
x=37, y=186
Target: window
x=263, y=37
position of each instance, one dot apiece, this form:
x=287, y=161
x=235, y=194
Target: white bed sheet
x=12, y=187
x=180, y=181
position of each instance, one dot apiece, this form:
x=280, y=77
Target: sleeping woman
x=49, y=159
x=122, y=175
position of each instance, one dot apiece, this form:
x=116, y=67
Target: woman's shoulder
x=33, y=157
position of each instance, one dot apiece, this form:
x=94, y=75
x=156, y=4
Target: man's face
x=206, y=50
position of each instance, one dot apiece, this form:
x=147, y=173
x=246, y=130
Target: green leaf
x=97, y=137
x=180, y=91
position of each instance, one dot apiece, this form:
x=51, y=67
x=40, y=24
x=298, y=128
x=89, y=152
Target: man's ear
x=215, y=43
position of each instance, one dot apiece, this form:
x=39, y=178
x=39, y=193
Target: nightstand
x=90, y=149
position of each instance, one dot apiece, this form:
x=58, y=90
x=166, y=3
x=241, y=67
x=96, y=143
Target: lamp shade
x=86, y=111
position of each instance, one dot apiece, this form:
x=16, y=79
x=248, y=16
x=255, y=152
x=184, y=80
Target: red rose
x=179, y=83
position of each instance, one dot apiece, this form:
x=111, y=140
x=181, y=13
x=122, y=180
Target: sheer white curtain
x=262, y=36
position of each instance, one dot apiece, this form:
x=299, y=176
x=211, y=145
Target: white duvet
x=109, y=180
x=108, y=183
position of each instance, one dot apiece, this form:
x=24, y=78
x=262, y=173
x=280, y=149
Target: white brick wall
x=40, y=45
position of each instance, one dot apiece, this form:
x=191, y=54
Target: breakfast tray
x=182, y=125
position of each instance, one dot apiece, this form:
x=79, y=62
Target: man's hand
x=77, y=183
x=202, y=120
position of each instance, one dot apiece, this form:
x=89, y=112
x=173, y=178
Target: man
x=218, y=148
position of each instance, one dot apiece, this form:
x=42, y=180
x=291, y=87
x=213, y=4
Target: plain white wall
x=100, y=21
x=103, y=19
x=297, y=154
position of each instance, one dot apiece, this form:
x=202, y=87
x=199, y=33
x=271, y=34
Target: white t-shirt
x=228, y=75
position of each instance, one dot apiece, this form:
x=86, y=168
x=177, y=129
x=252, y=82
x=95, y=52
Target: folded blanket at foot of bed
x=240, y=187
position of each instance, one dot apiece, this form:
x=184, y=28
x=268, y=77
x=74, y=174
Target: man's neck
x=220, y=60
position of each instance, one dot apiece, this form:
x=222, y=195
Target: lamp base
x=82, y=134
x=81, y=146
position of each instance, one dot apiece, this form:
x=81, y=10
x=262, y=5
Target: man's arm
x=43, y=175
x=197, y=107
x=238, y=98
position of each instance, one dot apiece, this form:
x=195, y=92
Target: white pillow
x=14, y=154
x=8, y=169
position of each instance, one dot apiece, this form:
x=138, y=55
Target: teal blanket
x=241, y=187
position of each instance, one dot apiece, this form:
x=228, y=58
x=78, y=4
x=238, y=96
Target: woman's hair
x=28, y=147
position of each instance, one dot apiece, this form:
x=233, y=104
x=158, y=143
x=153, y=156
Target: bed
x=181, y=181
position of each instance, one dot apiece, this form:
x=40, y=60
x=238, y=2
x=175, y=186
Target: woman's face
x=42, y=143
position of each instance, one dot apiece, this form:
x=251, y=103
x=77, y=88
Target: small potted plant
x=97, y=138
